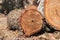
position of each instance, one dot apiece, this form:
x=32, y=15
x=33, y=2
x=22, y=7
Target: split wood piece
x=52, y=13
x=31, y=20
x=3, y=22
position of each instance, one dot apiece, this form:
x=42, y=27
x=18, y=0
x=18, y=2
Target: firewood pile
x=29, y=20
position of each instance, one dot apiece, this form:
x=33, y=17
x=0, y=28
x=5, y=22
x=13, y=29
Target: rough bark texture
x=3, y=22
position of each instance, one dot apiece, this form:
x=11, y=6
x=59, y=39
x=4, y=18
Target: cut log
x=13, y=18
x=31, y=20
x=52, y=13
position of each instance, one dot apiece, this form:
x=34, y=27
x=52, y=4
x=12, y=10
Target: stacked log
x=31, y=20
x=13, y=17
x=52, y=13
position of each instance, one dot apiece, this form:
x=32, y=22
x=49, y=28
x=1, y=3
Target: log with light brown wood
x=52, y=13
x=31, y=20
